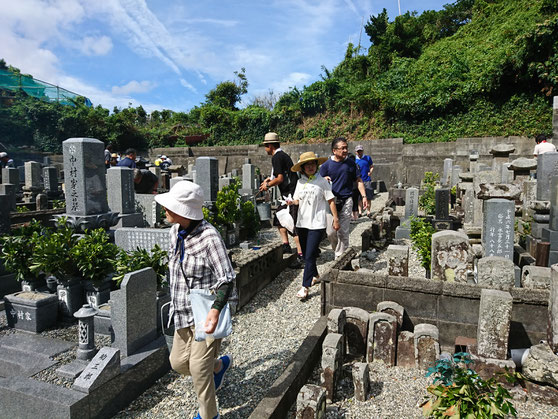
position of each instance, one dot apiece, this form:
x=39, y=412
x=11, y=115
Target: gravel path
x=267, y=332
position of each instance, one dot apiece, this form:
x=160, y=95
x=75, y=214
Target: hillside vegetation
x=475, y=68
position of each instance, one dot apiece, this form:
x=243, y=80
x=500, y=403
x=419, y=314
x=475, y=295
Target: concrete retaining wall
x=393, y=161
x=453, y=308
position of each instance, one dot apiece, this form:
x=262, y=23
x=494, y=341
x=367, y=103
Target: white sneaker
x=302, y=293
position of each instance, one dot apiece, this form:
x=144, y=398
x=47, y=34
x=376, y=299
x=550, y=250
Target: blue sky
x=167, y=54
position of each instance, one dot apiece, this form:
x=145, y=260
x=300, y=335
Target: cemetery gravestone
x=149, y=208
x=10, y=191
x=455, y=172
x=207, y=176
x=121, y=196
x=411, y=210
x=441, y=221
x=553, y=309
x=555, y=119
x=11, y=175
x=498, y=228
x=494, y=323
x=134, y=311
x=547, y=168
x=129, y=239
x=496, y=271
x=501, y=154
x=33, y=175
x=473, y=161
x=84, y=176
x=451, y=256
x=446, y=175
x=50, y=179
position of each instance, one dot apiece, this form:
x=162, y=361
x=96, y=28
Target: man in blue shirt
x=342, y=172
x=129, y=160
x=366, y=167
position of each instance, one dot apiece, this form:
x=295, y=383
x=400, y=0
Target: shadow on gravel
x=242, y=394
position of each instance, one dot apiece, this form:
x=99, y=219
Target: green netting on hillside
x=37, y=88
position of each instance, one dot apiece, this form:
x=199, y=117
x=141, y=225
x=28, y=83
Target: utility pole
x=399, y=6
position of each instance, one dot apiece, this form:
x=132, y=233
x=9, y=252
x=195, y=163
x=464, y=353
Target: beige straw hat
x=271, y=138
x=305, y=158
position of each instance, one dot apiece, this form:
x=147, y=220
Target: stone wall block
x=553, y=309
x=496, y=271
x=535, y=277
x=451, y=256
x=541, y=365
x=398, y=260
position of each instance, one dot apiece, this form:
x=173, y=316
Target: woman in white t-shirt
x=313, y=196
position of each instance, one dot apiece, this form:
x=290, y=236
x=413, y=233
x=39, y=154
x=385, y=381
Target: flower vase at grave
x=97, y=292
x=70, y=296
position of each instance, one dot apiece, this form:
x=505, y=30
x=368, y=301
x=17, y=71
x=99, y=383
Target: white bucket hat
x=184, y=199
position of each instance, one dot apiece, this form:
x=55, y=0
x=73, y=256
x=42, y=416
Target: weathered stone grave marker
x=498, y=227
x=207, y=176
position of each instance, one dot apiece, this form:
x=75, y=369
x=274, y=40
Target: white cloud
x=133, y=87
x=294, y=79
x=96, y=46
x=188, y=85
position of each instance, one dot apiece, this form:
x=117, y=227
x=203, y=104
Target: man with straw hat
x=342, y=172
x=285, y=179
x=313, y=196
x=198, y=259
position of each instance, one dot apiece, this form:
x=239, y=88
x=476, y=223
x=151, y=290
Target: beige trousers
x=197, y=359
x=339, y=239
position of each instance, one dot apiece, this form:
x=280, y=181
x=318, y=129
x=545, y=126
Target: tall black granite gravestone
x=442, y=220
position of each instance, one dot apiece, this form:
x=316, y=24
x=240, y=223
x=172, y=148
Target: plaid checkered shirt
x=206, y=265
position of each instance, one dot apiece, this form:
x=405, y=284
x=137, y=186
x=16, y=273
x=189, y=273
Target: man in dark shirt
x=108, y=153
x=342, y=172
x=145, y=181
x=129, y=160
x=285, y=179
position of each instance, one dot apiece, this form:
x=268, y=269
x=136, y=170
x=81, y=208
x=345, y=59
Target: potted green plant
x=53, y=256
x=95, y=257
x=17, y=249
x=249, y=220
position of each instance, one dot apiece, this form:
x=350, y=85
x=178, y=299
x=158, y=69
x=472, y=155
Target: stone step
x=14, y=363
x=35, y=344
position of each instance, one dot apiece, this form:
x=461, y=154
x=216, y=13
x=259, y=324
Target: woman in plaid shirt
x=197, y=259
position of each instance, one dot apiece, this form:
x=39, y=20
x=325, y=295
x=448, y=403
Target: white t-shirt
x=544, y=147
x=312, y=206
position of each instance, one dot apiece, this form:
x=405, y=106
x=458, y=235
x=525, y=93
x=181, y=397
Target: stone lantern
x=501, y=154
x=86, y=333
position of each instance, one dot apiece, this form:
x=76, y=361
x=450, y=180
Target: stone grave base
x=24, y=397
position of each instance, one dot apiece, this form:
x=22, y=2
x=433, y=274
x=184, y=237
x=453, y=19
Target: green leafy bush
x=157, y=259
x=227, y=204
x=18, y=248
x=53, y=253
x=421, y=240
x=249, y=219
x=95, y=255
x=462, y=393
x=427, y=201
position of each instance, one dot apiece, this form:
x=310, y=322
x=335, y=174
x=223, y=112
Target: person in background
x=342, y=172
x=198, y=259
x=356, y=194
x=313, y=196
x=158, y=160
x=285, y=179
x=366, y=166
x=113, y=159
x=5, y=160
x=543, y=146
x=108, y=153
x=129, y=160
x=165, y=163
x=145, y=181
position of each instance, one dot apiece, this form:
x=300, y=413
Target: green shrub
x=18, y=248
x=421, y=238
x=95, y=255
x=157, y=259
x=427, y=201
x=249, y=220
